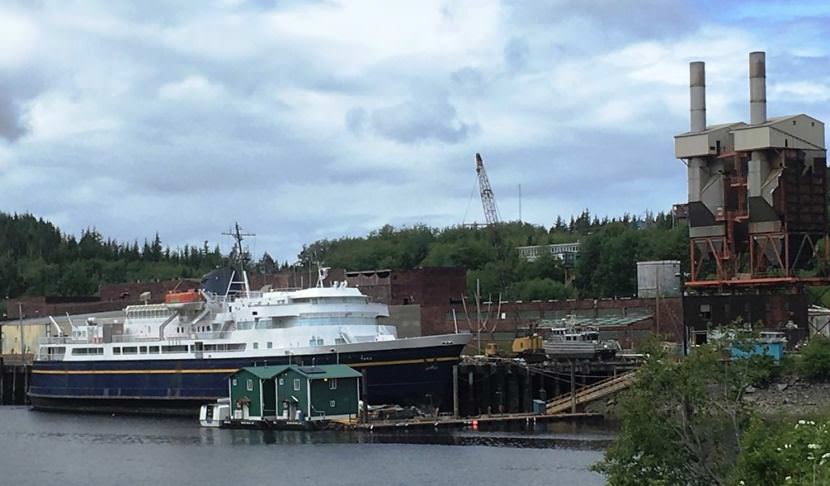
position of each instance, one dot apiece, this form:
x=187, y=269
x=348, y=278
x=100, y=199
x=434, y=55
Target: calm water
x=39, y=448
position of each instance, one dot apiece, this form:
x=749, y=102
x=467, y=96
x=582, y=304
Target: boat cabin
x=293, y=392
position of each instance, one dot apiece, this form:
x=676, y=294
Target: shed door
x=269, y=398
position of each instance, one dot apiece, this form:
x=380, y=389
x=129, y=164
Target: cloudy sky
x=307, y=120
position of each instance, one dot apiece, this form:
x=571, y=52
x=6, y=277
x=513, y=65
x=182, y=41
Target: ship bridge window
x=244, y=325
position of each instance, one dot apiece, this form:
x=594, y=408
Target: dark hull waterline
x=416, y=376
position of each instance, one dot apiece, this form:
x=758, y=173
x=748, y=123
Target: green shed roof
x=313, y=372
x=327, y=371
x=265, y=372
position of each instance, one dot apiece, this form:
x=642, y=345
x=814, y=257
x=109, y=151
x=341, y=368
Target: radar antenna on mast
x=488, y=199
x=237, y=235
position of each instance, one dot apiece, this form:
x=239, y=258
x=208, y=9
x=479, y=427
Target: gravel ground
x=792, y=397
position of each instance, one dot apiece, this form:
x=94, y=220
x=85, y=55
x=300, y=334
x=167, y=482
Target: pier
x=15, y=376
x=485, y=387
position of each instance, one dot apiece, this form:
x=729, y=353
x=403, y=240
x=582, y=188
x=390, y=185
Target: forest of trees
x=36, y=258
x=606, y=267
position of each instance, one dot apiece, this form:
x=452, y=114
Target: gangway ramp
x=569, y=402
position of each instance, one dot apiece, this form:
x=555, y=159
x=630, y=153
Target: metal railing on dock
x=569, y=401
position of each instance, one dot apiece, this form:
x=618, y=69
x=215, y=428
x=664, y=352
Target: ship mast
x=237, y=235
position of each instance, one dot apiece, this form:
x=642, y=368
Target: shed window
x=331, y=403
x=296, y=384
x=333, y=384
x=282, y=381
x=233, y=382
x=250, y=385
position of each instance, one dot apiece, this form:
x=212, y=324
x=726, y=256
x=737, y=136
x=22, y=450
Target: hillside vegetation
x=36, y=258
x=607, y=265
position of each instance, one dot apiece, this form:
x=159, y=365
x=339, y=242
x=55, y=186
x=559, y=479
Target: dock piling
x=455, y=391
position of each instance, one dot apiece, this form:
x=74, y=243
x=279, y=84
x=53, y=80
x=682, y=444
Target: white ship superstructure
x=182, y=350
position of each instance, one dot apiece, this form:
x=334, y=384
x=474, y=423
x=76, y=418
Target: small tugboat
x=572, y=341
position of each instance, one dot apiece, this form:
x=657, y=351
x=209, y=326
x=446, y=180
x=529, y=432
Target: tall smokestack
x=757, y=87
x=697, y=92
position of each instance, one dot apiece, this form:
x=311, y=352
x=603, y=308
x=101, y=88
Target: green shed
x=279, y=392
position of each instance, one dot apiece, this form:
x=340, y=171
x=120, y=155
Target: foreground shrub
x=815, y=359
x=790, y=454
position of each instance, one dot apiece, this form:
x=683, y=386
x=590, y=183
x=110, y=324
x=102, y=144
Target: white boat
x=215, y=414
x=177, y=355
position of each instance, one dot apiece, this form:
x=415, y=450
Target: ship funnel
x=757, y=87
x=697, y=93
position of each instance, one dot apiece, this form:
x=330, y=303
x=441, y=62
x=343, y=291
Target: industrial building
x=566, y=252
x=757, y=191
x=756, y=211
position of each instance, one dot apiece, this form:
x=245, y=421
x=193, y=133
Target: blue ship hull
x=400, y=376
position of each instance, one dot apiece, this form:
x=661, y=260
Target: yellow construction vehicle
x=530, y=348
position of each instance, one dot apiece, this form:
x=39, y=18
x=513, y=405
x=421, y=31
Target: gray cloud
x=516, y=53
x=12, y=126
x=356, y=120
x=17, y=88
x=307, y=132
x=423, y=119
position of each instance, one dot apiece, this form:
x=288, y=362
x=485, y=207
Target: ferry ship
x=174, y=357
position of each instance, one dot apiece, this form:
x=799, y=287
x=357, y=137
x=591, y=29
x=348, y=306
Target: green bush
x=776, y=453
x=815, y=359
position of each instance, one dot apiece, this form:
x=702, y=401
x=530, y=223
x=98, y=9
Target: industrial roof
x=714, y=128
x=596, y=321
x=311, y=372
x=776, y=119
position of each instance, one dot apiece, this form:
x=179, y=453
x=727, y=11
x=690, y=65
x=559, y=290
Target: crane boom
x=488, y=199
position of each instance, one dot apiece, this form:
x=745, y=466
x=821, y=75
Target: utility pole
x=20, y=320
x=478, y=314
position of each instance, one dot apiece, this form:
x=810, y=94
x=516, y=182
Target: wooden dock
x=474, y=422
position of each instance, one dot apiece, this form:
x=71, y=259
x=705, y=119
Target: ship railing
x=95, y=340
x=63, y=340
x=133, y=339
x=211, y=335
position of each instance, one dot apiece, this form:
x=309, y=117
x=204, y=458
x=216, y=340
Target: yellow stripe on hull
x=222, y=370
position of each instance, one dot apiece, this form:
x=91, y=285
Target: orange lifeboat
x=186, y=297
